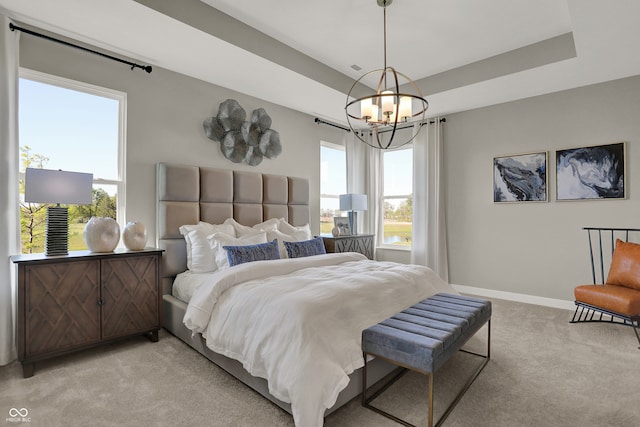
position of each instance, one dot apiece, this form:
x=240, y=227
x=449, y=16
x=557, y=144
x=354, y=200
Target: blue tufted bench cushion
x=424, y=336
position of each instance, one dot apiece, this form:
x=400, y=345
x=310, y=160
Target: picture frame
x=591, y=173
x=342, y=223
x=520, y=178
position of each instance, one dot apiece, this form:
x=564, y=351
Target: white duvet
x=298, y=322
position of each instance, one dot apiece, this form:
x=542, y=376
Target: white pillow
x=268, y=225
x=289, y=229
x=297, y=236
x=200, y=258
x=218, y=240
x=243, y=230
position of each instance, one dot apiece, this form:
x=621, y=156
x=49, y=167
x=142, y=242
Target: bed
x=190, y=194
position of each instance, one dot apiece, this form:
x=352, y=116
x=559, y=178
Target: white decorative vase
x=335, y=231
x=134, y=236
x=101, y=234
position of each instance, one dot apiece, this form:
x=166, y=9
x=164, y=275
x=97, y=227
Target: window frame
x=384, y=198
x=121, y=98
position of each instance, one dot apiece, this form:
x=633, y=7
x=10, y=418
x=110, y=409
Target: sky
x=77, y=131
x=397, y=180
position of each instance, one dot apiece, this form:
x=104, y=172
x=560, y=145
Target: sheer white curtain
x=9, y=199
x=364, y=177
x=429, y=246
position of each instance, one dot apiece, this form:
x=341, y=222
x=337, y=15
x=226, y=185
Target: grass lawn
x=76, y=237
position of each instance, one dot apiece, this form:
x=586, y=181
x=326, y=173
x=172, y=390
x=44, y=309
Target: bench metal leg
x=430, y=394
x=366, y=401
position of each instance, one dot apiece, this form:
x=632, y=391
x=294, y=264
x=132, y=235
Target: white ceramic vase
x=335, y=231
x=101, y=234
x=134, y=236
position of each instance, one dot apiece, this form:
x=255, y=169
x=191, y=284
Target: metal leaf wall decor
x=243, y=141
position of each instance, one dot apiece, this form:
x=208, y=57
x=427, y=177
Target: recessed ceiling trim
x=555, y=49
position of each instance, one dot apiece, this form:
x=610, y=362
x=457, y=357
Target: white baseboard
x=512, y=296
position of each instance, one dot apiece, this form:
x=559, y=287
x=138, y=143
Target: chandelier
x=396, y=103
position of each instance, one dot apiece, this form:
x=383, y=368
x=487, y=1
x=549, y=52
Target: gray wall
x=165, y=111
x=535, y=248
x=531, y=248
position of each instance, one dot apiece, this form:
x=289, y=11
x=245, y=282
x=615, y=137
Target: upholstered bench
x=423, y=338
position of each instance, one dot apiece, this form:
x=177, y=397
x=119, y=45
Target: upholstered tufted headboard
x=189, y=194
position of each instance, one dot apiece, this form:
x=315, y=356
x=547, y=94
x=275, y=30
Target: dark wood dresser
x=71, y=302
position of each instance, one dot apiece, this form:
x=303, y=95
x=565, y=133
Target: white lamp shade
x=353, y=202
x=56, y=186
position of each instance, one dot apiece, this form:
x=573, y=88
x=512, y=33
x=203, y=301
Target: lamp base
x=57, y=239
x=353, y=222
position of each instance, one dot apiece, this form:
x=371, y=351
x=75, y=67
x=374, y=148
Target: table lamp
x=353, y=203
x=57, y=186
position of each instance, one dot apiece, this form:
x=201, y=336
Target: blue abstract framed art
x=588, y=173
x=520, y=178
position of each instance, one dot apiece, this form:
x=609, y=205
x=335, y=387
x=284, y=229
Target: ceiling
x=463, y=54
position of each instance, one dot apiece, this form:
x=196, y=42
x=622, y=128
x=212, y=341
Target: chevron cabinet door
x=129, y=295
x=61, y=306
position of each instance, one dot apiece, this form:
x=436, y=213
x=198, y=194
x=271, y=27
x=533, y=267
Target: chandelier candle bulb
x=405, y=108
x=387, y=103
x=365, y=109
x=374, y=113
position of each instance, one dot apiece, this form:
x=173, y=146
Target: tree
x=405, y=210
x=388, y=210
x=102, y=205
x=33, y=216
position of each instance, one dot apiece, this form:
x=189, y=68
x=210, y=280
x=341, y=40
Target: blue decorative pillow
x=262, y=251
x=305, y=248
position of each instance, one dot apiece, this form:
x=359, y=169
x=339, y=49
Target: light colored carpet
x=543, y=372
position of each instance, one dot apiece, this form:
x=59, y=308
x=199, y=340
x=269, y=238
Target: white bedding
x=298, y=322
x=186, y=283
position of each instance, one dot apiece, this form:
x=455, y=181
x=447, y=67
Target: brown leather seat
x=619, y=299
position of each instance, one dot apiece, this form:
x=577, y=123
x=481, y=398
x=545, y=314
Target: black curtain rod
x=133, y=65
x=322, y=122
x=430, y=122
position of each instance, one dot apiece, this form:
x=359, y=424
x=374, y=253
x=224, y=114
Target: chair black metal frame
x=600, y=240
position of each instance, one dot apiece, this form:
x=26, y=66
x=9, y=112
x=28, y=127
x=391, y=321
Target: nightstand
x=362, y=243
x=75, y=301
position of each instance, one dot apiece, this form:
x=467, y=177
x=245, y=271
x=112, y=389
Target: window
x=76, y=127
x=397, y=197
x=333, y=182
